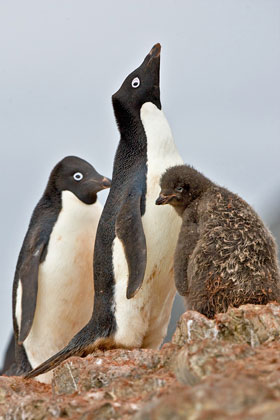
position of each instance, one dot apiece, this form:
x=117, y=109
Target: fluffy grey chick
x=225, y=255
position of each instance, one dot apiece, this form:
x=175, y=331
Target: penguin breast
x=65, y=284
x=149, y=310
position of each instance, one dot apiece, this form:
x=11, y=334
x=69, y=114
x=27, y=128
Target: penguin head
x=78, y=176
x=180, y=186
x=141, y=86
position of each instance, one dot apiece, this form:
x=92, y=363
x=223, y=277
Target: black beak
x=155, y=51
x=98, y=183
x=105, y=183
x=163, y=199
x=153, y=60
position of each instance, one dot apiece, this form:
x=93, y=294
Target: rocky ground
x=227, y=368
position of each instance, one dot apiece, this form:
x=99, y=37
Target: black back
x=36, y=239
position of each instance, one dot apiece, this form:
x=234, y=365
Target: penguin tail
x=52, y=362
x=82, y=344
x=78, y=346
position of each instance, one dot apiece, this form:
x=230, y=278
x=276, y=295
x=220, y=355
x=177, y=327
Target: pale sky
x=61, y=61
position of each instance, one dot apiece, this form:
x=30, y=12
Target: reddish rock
x=226, y=368
x=218, y=397
x=193, y=326
x=252, y=324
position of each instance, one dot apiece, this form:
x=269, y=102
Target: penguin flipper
x=129, y=230
x=28, y=276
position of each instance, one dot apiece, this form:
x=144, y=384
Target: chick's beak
x=163, y=199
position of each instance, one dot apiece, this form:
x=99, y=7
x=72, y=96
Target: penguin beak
x=105, y=183
x=99, y=183
x=153, y=58
x=155, y=51
x=149, y=69
x=164, y=199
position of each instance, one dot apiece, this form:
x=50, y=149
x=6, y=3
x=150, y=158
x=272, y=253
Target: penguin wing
x=28, y=277
x=129, y=230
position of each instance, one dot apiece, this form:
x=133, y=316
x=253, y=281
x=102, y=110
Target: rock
x=104, y=370
x=215, y=398
x=201, y=359
x=224, y=368
x=193, y=326
x=252, y=324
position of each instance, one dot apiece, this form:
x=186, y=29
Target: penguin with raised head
x=133, y=260
x=225, y=256
x=53, y=285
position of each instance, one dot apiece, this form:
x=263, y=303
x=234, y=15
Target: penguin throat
x=128, y=120
x=131, y=128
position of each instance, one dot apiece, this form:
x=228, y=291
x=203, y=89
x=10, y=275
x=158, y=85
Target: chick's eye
x=78, y=176
x=135, y=82
x=179, y=189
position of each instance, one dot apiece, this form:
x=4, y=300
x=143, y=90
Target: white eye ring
x=179, y=189
x=78, y=176
x=135, y=82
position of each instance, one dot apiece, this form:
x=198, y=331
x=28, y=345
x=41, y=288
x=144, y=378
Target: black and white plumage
x=133, y=262
x=225, y=256
x=53, y=284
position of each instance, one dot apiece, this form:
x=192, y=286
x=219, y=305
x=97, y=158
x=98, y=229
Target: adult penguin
x=53, y=284
x=136, y=240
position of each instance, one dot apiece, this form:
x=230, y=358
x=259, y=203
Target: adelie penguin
x=53, y=284
x=135, y=241
x=225, y=256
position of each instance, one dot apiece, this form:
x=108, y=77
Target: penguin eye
x=78, y=176
x=135, y=82
x=179, y=189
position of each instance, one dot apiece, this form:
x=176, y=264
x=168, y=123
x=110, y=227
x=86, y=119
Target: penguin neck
x=52, y=195
x=193, y=206
x=130, y=126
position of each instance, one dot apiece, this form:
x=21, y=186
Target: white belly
x=65, y=287
x=142, y=321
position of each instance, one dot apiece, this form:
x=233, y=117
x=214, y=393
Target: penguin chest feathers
x=65, y=284
x=143, y=320
x=161, y=225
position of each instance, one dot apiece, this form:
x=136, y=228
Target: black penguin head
x=141, y=86
x=180, y=186
x=78, y=176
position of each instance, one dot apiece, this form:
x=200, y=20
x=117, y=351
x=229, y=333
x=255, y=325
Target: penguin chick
x=53, y=284
x=225, y=256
